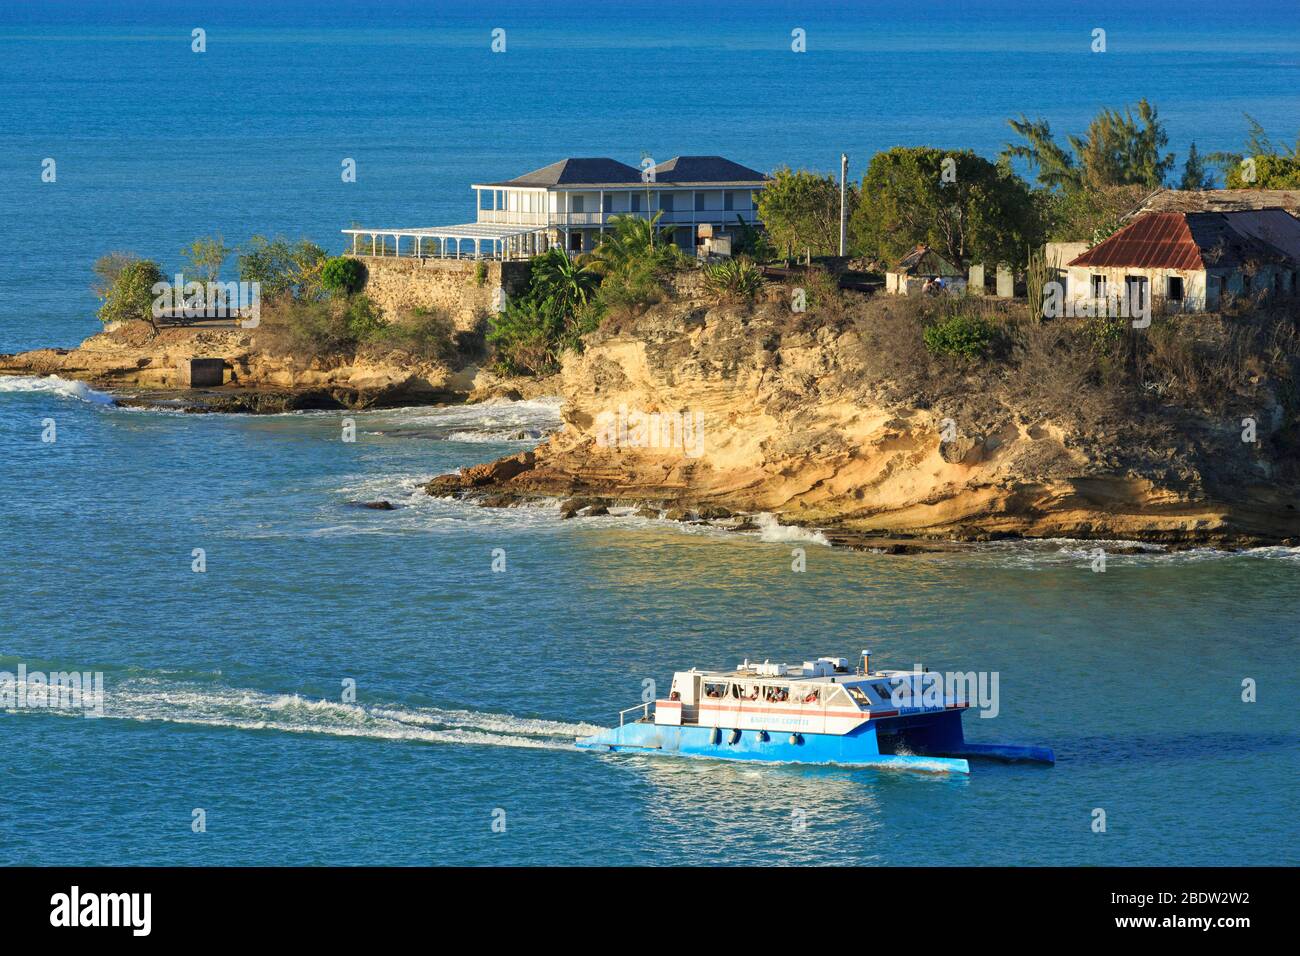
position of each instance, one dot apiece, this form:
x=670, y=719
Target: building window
x=1098, y=286
x=636, y=202
x=666, y=202
x=1135, y=290
x=728, y=201
x=577, y=204
x=1245, y=284
x=607, y=204
x=699, y=202
x=1174, y=289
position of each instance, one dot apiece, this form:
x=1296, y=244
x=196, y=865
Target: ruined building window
x=1174, y=289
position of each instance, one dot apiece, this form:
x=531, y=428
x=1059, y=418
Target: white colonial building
x=570, y=203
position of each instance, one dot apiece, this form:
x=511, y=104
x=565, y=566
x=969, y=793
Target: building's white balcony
x=674, y=217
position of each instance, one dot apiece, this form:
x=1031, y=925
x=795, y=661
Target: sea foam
x=55, y=385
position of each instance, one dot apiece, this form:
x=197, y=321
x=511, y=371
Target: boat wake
x=150, y=699
x=52, y=384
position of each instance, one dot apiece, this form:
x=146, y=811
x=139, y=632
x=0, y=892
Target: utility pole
x=844, y=209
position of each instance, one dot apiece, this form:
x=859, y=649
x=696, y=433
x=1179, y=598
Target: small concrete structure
x=921, y=270
x=1006, y=283
x=202, y=372
x=975, y=281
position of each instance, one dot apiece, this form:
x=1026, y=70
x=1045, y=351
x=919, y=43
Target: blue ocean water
x=224, y=687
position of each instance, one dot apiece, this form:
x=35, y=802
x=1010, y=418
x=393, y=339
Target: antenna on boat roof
x=866, y=662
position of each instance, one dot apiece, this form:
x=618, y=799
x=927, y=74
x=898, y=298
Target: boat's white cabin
x=821, y=696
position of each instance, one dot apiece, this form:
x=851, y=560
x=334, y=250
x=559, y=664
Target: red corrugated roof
x=1199, y=240
x=1158, y=240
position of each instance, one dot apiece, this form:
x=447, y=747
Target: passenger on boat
x=674, y=696
x=812, y=697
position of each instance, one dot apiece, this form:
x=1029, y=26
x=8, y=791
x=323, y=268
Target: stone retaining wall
x=463, y=288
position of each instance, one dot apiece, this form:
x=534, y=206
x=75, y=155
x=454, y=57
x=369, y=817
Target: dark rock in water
x=497, y=501
x=903, y=549
x=373, y=505
x=492, y=472
x=571, y=507
x=645, y=511
x=679, y=514
x=713, y=513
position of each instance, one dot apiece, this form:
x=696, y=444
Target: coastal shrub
x=422, y=334
x=528, y=337
x=309, y=329
x=283, y=268
x=559, y=306
x=125, y=288
x=734, y=280
x=962, y=335
x=343, y=274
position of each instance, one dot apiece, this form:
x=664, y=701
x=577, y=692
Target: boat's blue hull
x=859, y=748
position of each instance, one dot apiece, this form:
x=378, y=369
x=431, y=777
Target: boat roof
x=796, y=673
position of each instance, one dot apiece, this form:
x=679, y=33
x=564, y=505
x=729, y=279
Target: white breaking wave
x=150, y=699
x=493, y=421
x=773, y=532
x=66, y=388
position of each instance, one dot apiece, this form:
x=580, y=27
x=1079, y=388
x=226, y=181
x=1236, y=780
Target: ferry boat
x=822, y=712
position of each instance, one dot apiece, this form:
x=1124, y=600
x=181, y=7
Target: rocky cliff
x=134, y=359
x=838, y=418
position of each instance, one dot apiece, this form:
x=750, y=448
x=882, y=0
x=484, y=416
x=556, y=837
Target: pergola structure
x=489, y=241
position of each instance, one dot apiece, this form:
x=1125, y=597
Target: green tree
x=801, y=209
x=343, y=274
x=126, y=288
x=1271, y=166
x=1117, y=149
x=966, y=210
x=1195, y=173
x=282, y=267
x=205, y=257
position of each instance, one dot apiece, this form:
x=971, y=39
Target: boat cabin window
x=777, y=695
x=859, y=698
x=812, y=695
x=835, y=697
x=715, y=691
x=745, y=691
x=884, y=692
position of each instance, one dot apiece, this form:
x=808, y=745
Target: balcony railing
x=674, y=217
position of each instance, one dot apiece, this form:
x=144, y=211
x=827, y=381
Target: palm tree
x=632, y=240
x=569, y=282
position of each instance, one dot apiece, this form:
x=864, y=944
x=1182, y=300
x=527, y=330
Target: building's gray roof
x=705, y=169
x=602, y=171
x=584, y=171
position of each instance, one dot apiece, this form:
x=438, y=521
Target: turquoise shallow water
x=224, y=687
